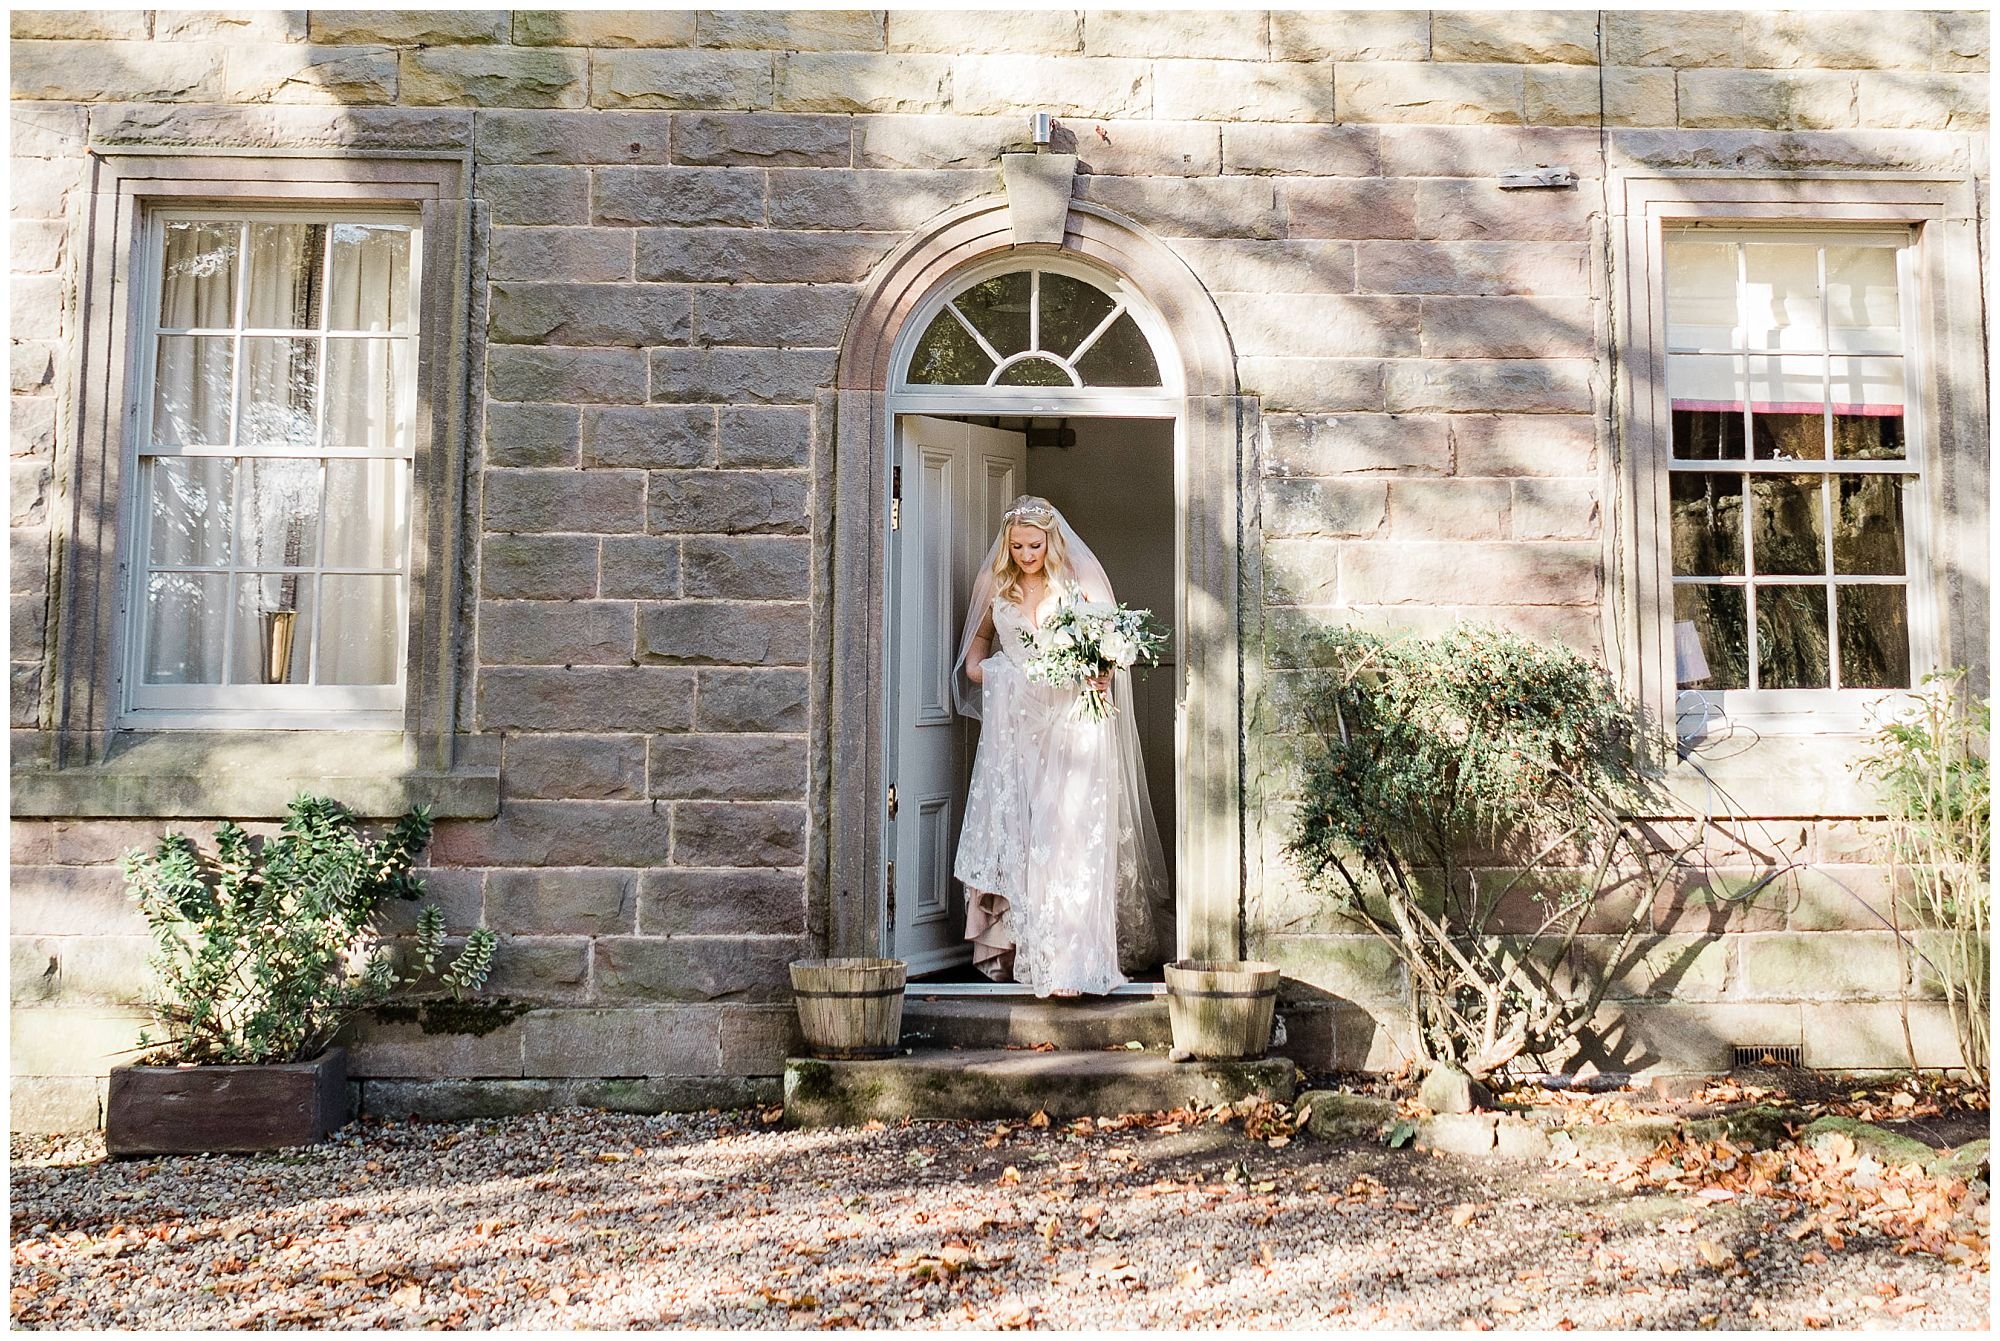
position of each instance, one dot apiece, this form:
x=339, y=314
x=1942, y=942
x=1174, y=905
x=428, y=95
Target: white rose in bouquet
x=1083, y=641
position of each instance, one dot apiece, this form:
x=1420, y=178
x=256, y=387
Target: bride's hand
x=1102, y=684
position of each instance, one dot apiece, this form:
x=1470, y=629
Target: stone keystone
x=1038, y=190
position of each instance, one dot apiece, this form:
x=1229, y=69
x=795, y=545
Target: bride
x=1064, y=878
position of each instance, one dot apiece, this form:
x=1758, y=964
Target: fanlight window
x=1034, y=328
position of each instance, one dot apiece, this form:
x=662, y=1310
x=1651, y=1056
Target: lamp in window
x=291, y=496
x=1690, y=660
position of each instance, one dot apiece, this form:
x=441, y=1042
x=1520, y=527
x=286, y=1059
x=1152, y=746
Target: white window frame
x=1832, y=708
x=1162, y=401
x=220, y=706
x=1945, y=419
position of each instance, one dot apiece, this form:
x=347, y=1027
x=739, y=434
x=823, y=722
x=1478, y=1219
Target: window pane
x=367, y=520
x=1708, y=435
x=1707, y=525
x=1707, y=395
x=280, y=381
x=1034, y=372
x=1874, y=637
x=286, y=262
x=273, y=629
x=1071, y=310
x=1864, y=302
x=998, y=310
x=1121, y=357
x=1867, y=408
x=1710, y=637
x=370, y=289
x=949, y=356
x=1788, y=408
x=184, y=627
x=1701, y=295
x=369, y=391
x=1791, y=638
x=191, y=502
x=1787, y=535
x=1868, y=524
x=1781, y=296
x=280, y=512
x=191, y=390
x=358, y=622
x=198, y=280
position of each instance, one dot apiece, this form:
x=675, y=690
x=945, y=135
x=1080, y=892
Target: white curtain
x=290, y=510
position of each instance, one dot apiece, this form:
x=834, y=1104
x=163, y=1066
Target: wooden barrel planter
x=850, y=1009
x=1221, y=1009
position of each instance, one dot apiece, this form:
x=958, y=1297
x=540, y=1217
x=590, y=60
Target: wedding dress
x=1059, y=854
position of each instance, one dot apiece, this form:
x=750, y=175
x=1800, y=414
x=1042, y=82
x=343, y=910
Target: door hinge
x=896, y=500
x=892, y=800
x=890, y=921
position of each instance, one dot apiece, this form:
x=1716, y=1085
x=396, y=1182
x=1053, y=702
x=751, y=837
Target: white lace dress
x=1048, y=851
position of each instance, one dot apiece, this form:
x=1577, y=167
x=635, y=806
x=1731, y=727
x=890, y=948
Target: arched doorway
x=914, y=349
x=1040, y=375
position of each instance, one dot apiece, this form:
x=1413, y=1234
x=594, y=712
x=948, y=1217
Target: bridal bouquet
x=1083, y=640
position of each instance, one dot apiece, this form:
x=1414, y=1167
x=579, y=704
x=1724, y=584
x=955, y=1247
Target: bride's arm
x=982, y=648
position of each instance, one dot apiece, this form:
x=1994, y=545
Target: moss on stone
x=1759, y=1128
x=475, y=1016
x=1969, y=1161
x=1884, y=1146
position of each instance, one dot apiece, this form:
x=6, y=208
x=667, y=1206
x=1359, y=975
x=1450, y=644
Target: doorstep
x=1001, y=1083
x=931, y=1021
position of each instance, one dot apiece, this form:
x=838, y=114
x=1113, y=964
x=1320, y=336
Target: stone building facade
x=670, y=262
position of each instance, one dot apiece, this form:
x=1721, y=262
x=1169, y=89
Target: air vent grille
x=1743, y=1055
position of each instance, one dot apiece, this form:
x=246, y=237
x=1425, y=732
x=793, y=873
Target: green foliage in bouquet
x=264, y=950
x=1427, y=757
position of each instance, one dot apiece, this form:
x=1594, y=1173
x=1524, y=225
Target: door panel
x=951, y=475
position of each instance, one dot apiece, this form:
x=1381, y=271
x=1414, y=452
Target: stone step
x=995, y=1083
x=996, y=1021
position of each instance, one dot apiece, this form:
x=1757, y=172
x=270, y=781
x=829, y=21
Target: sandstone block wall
x=674, y=213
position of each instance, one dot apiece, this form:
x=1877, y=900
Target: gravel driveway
x=580, y=1219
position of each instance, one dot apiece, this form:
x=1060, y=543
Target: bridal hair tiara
x=1030, y=511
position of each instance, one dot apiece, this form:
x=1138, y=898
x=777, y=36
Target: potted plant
x=265, y=950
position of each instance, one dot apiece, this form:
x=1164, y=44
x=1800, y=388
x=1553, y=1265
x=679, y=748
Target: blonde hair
x=1037, y=513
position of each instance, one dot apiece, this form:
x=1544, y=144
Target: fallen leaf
x=1009, y=1176
x=1507, y=1303
x=1040, y=1120
x=408, y=1297
x=1463, y=1214
x=558, y=1295
x=1713, y=1254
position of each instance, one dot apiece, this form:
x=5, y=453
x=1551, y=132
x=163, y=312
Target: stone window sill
x=1752, y=774
x=254, y=775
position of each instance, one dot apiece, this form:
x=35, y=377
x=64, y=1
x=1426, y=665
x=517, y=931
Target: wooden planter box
x=191, y=1110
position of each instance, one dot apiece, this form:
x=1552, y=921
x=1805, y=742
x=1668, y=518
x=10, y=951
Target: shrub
x=265, y=949
x=1423, y=753
x=1932, y=769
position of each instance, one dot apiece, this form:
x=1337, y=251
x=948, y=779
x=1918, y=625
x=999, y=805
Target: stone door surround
x=849, y=775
